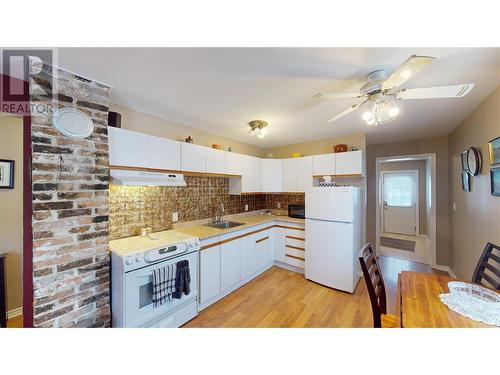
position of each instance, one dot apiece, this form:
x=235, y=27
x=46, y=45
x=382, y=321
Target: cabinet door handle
x=262, y=239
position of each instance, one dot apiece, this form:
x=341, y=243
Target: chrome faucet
x=218, y=217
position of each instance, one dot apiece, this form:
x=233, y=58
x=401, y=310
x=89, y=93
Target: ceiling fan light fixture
x=367, y=115
x=394, y=111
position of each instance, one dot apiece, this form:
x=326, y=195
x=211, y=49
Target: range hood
x=141, y=178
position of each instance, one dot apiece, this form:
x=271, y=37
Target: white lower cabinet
x=230, y=258
x=210, y=275
x=280, y=250
x=247, y=257
x=226, y=263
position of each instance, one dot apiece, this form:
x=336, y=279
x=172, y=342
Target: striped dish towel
x=163, y=284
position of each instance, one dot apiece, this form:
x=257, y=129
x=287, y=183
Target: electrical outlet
x=279, y=204
x=246, y=207
x=175, y=216
x=454, y=206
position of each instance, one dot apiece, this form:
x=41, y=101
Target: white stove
x=132, y=261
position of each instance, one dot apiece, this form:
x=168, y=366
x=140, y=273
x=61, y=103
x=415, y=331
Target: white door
x=164, y=153
x=332, y=203
x=304, y=173
x=248, y=266
x=193, y=158
x=290, y=175
x=324, y=164
x=233, y=163
x=128, y=148
x=216, y=161
x=272, y=175
x=400, y=192
x=349, y=163
x=330, y=254
x=280, y=250
x=209, y=273
x=230, y=264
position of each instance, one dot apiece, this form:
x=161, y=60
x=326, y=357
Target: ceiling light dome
x=257, y=127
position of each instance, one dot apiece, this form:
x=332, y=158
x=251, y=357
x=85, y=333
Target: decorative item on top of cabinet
x=188, y=139
x=341, y=147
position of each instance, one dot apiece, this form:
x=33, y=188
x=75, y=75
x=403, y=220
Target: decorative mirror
x=474, y=161
x=73, y=123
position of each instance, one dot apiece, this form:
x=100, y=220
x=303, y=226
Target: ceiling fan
x=380, y=94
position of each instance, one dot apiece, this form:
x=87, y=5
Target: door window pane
x=398, y=190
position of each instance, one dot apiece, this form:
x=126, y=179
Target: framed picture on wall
x=495, y=181
x=463, y=158
x=465, y=181
x=6, y=174
x=494, y=146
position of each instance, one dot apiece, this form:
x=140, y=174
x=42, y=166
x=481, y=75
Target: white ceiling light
x=257, y=127
x=382, y=111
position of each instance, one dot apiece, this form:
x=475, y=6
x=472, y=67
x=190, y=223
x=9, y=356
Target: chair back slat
x=487, y=271
x=374, y=283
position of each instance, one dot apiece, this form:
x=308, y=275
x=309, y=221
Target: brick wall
x=70, y=206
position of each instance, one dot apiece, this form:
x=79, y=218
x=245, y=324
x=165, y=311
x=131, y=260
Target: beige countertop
x=197, y=228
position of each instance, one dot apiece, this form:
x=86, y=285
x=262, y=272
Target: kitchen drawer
x=294, y=262
x=295, y=252
x=294, y=242
x=299, y=233
x=178, y=318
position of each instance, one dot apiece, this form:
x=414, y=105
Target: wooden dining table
x=419, y=306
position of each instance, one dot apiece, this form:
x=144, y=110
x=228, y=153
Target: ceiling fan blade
x=345, y=112
x=333, y=95
x=409, y=69
x=436, y=92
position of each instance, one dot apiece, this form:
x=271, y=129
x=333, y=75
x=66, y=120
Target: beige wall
x=322, y=146
x=476, y=219
x=420, y=166
x=149, y=124
x=438, y=146
x=11, y=209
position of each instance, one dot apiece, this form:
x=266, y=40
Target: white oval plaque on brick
x=73, y=123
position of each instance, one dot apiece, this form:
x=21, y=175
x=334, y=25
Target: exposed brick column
x=70, y=206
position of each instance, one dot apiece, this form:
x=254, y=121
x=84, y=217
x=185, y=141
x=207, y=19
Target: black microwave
x=297, y=211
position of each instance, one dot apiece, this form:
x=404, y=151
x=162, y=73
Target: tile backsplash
x=136, y=207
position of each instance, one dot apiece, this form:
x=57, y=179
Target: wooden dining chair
x=487, y=271
x=376, y=288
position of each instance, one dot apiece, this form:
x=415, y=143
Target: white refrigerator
x=333, y=236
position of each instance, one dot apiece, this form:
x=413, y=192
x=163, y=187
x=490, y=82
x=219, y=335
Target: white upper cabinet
x=272, y=175
x=324, y=164
x=290, y=175
x=164, y=153
x=128, y=148
x=251, y=174
x=304, y=173
x=193, y=158
x=216, y=161
x=233, y=163
x=349, y=163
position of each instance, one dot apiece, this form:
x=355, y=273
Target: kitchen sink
x=224, y=224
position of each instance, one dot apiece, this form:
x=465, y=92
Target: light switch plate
x=246, y=207
x=175, y=216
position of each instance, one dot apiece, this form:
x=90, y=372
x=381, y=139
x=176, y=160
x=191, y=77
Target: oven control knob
x=129, y=261
x=138, y=259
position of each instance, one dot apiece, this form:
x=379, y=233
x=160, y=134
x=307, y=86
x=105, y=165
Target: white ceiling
x=221, y=89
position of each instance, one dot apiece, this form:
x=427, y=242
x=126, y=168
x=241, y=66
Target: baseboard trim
x=445, y=269
x=288, y=267
x=15, y=312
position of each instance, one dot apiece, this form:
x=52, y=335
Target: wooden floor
x=16, y=322
x=282, y=298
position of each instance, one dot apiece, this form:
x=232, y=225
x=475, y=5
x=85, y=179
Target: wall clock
x=474, y=161
x=73, y=123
